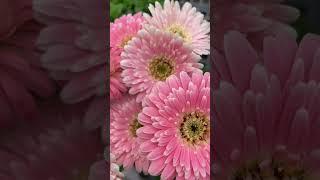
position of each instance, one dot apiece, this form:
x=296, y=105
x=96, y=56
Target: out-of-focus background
x=309, y=20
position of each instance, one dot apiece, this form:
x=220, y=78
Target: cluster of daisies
x=160, y=97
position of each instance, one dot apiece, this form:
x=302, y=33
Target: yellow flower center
x=134, y=126
x=179, y=31
x=125, y=41
x=195, y=128
x=161, y=67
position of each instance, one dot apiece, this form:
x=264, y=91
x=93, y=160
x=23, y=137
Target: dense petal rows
x=124, y=29
x=73, y=46
x=117, y=88
x=184, y=22
x=123, y=139
x=273, y=119
x=171, y=155
x=266, y=119
x=156, y=48
x=161, y=50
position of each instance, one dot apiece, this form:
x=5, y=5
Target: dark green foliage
x=121, y=7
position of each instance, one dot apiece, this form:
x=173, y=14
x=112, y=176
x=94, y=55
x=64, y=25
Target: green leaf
x=115, y=11
x=121, y=7
x=121, y=168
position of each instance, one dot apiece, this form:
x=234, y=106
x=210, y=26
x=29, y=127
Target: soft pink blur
x=56, y=146
x=255, y=18
x=13, y=14
x=74, y=46
x=22, y=80
x=266, y=104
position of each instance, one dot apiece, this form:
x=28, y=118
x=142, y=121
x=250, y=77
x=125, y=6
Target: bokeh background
x=309, y=18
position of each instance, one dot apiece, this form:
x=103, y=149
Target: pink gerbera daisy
x=117, y=88
x=152, y=57
x=124, y=29
x=184, y=22
x=175, y=132
x=123, y=138
x=267, y=109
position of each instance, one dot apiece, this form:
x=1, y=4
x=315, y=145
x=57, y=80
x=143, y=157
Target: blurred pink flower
x=124, y=29
x=98, y=170
x=175, y=132
x=58, y=146
x=13, y=14
x=123, y=138
x=266, y=116
x=74, y=45
x=255, y=18
x=152, y=56
x=21, y=78
x=185, y=22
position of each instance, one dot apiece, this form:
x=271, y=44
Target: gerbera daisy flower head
x=152, y=56
x=123, y=139
x=175, y=132
x=185, y=22
x=124, y=29
x=117, y=88
x=272, y=124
